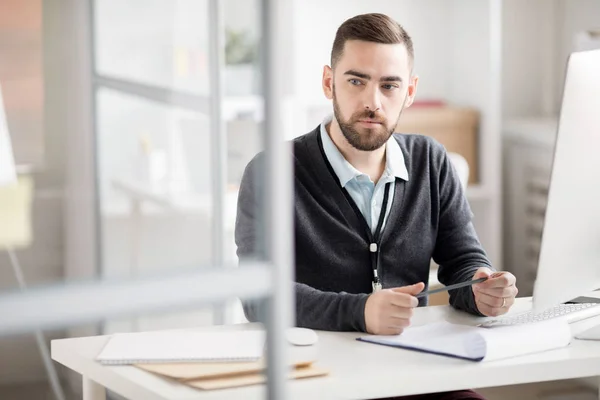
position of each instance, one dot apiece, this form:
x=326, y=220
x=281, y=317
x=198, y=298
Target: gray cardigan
x=430, y=218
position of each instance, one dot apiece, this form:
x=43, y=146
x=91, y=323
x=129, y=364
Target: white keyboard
x=570, y=312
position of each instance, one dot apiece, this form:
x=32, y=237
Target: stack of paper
x=479, y=344
x=211, y=359
x=210, y=376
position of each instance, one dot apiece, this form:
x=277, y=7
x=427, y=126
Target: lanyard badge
x=376, y=282
x=376, y=286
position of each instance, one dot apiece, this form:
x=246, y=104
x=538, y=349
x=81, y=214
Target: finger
x=509, y=302
x=401, y=312
x=412, y=289
x=396, y=323
x=491, y=301
x=482, y=273
x=510, y=291
x=399, y=322
x=391, y=330
x=489, y=311
x=403, y=300
x=504, y=279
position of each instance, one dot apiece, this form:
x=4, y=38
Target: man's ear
x=328, y=82
x=412, y=91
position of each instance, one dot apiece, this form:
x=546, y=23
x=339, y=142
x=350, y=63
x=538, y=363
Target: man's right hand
x=388, y=311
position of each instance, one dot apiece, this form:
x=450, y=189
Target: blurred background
x=108, y=108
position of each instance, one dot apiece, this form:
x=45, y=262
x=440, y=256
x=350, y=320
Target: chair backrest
x=462, y=168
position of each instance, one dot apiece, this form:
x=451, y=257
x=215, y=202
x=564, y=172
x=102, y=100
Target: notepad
x=479, y=344
x=183, y=346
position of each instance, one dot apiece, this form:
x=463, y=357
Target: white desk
x=358, y=370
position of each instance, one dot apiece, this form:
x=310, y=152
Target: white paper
x=7, y=162
x=511, y=341
x=174, y=346
x=479, y=344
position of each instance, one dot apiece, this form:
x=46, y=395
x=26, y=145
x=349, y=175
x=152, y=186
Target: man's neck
x=371, y=163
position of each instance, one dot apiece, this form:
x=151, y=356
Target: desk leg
x=93, y=390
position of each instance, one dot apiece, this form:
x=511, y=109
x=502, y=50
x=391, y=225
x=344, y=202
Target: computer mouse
x=301, y=336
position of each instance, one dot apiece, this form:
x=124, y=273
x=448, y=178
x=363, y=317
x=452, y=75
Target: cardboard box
x=455, y=128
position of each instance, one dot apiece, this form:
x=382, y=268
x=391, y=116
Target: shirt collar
x=395, y=165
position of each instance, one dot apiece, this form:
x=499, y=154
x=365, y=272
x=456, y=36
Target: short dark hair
x=377, y=28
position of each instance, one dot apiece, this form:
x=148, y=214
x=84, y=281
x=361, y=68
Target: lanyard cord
x=375, y=239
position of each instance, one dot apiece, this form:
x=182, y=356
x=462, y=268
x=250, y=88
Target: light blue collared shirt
x=367, y=195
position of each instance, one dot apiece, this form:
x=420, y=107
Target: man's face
x=370, y=86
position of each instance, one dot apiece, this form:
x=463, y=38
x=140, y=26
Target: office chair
x=462, y=168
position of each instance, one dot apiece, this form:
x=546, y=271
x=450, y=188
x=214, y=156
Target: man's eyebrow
x=357, y=74
x=391, y=78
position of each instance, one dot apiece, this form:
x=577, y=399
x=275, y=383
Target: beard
x=361, y=138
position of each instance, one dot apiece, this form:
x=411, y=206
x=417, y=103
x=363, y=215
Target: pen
x=451, y=287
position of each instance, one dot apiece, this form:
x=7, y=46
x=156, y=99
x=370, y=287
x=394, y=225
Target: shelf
x=79, y=303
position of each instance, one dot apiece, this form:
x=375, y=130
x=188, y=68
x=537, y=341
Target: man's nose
x=372, y=99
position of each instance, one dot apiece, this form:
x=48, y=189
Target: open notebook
x=183, y=346
x=479, y=344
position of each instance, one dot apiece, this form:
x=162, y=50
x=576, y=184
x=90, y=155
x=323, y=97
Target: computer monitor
x=569, y=263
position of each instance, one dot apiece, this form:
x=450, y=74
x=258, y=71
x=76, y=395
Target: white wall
x=578, y=15
x=426, y=21
x=526, y=43
x=537, y=38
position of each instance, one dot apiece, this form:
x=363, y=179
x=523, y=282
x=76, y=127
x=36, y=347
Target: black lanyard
x=374, y=238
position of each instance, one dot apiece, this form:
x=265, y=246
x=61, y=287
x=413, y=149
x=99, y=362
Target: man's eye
x=354, y=82
x=389, y=87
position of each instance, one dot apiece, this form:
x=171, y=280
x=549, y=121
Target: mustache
x=370, y=115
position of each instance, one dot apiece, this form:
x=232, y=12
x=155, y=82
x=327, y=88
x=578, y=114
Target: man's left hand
x=497, y=294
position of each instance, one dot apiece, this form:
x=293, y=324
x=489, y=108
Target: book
x=183, y=346
x=477, y=343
